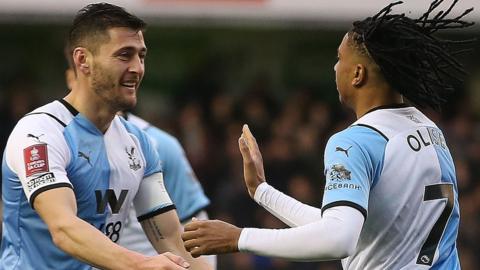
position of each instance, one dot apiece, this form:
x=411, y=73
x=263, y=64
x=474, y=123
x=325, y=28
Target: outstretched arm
x=311, y=240
x=287, y=209
x=335, y=236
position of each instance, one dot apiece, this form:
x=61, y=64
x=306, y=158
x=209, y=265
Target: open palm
x=253, y=171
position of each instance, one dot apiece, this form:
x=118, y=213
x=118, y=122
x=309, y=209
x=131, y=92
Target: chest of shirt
x=100, y=162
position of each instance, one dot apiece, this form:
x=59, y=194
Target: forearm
x=84, y=242
x=57, y=208
x=333, y=237
x=286, y=208
x=164, y=232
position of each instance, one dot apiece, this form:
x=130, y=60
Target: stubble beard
x=105, y=86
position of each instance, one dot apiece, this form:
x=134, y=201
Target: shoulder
x=38, y=133
x=359, y=135
x=393, y=121
x=359, y=143
x=54, y=112
x=47, y=121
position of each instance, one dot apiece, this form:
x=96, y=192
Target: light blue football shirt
x=55, y=146
x=394, y=166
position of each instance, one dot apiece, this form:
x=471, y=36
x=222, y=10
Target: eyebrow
x=131, y=48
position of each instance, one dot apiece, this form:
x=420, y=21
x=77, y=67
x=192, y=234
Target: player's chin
x=128, y=103
x=129, y=95
x=131, y=105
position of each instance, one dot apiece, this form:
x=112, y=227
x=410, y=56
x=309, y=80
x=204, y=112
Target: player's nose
x=137, y=65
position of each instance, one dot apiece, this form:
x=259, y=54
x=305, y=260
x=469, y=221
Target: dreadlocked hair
x=413, y=61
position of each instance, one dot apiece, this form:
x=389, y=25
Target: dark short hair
x=413, y=60
x=92, y=22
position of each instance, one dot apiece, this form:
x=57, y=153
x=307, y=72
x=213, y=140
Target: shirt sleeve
x=334, y=236
x=348, y=173
x=38, y=154
x=287, y=209
x=152, y=198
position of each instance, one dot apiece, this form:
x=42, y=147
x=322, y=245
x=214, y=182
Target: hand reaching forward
x=164, y=261
x=253, y=171
x=207, y=237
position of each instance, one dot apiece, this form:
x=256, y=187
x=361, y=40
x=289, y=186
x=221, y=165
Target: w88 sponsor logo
x=112, y=230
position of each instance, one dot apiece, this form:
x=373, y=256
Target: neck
x=373, y=98
x=88, y=103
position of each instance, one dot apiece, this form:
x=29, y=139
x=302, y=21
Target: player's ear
x=80, y=59
x=359, y=76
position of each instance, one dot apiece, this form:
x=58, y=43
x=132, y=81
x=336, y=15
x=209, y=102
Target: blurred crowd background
x=203, y=82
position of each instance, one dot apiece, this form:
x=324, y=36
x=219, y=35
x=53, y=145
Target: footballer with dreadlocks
x=390, y=199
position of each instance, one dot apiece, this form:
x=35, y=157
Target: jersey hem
x=45, y=188
x=346, y=203
x=156, y=212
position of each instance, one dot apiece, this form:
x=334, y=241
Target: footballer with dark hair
x=390, y=200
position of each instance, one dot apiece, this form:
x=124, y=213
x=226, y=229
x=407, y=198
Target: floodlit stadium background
x=213, y=65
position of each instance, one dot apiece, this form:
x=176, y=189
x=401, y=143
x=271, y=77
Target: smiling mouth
x=130, y=85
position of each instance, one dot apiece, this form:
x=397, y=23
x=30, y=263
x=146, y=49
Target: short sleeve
x=348, y=173
x=152, y=197
x=38, y=154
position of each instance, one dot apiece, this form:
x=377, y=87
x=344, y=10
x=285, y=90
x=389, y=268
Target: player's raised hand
x=164, y=261
x=253, y=171
x=206, y=237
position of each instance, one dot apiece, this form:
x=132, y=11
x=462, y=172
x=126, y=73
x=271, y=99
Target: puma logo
x=340, y=149
x=29, y=135
x=84, y=156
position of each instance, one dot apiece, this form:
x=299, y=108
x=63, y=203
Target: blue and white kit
x=394, y=167
x=55, y=146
